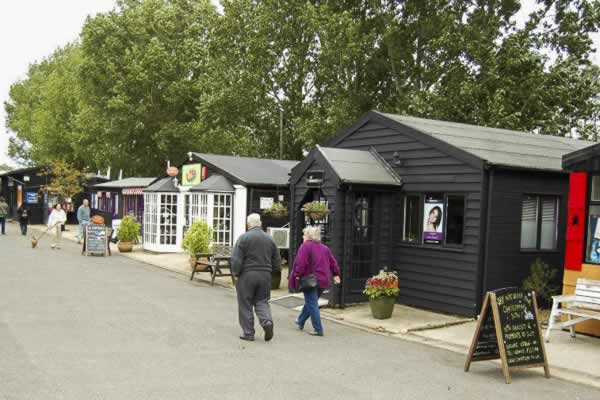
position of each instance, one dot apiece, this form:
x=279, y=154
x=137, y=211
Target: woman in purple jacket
x=313, y=257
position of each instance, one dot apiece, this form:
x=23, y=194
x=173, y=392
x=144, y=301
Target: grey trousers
x=253, y=294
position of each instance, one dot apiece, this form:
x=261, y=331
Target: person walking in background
x=3, y=214
x=313, y=267
x=56, y=221
x=23, y=214
x=83, y=218
x=254, y=258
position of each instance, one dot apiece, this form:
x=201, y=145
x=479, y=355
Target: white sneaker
x=52, y=246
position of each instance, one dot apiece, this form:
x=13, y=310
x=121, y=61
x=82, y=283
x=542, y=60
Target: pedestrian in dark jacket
x=3, y=215
x=313, y=258
x=255, y=257
x=23, y=214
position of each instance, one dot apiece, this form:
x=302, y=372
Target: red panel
x=576, y=221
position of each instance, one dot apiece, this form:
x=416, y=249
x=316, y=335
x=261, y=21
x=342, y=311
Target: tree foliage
x=154, y=79
x=67, y=180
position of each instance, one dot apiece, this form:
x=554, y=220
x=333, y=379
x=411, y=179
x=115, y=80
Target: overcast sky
x=32, y=29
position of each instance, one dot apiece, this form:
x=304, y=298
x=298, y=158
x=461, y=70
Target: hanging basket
x=315, y=210
x=316, y=215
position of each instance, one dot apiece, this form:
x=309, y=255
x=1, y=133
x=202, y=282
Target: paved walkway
x=572, y=359
x=74, y=327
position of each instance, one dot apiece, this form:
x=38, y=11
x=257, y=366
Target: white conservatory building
x=221, y=190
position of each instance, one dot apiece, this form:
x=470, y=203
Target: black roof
x=479, y=144
x=132, y=182
x=163, y=185
x=249, y=171
x=214, y=183
x=569, y=160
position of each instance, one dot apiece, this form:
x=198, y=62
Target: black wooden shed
x=455, y=209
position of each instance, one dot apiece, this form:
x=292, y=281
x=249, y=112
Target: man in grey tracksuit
x=255, y=256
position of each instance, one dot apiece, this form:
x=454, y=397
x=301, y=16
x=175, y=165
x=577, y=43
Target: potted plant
x=127, y=232
x=197, y=240
x=382, y=290
x=277, y=210
x=316, y=210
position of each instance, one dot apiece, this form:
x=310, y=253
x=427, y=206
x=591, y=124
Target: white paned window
x=222, y=213
x=168, y=219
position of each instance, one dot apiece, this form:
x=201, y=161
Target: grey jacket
x=3, y=209
x=255, y=251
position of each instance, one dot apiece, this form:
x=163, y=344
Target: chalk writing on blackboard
x=96, y=241
x=508, y=329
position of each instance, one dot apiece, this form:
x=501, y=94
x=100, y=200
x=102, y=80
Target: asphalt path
x=75, y=327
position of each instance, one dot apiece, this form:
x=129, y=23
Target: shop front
x=462, y=209
x=220, y=190
x=582, y=256
x=115, y=199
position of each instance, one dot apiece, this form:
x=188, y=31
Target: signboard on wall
x=31, y=197
x=266, y=203
x=191, y=174
x=433, y=217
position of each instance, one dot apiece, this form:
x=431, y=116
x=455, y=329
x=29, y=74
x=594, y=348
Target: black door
x=365, y=239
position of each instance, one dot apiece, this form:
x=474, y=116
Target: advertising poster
x=31, y=197
x=191, y=174
x=433, y=226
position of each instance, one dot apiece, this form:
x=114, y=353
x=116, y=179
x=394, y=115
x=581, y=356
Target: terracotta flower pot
x=199, y=267
x=125, y=247
x=382, y=307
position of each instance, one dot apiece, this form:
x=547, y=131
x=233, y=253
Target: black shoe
x=268, y=332
x=247, y=338
x=315, y=333
x=300, y=327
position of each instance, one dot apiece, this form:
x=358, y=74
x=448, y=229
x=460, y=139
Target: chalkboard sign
x=520, y=329
x=487, y=343
x=508, y=329
x=96, y=240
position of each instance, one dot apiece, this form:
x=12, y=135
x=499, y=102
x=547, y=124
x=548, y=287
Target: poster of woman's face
x=433, y=228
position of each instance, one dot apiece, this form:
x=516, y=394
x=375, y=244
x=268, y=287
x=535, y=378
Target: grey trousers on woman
x=253, y=294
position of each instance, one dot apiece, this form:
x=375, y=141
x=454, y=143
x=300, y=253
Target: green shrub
x=129, y=230
x=541, y=279
x=197, y=239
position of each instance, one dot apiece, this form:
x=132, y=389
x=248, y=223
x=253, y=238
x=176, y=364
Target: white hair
x=312, y=233
x=253, y=221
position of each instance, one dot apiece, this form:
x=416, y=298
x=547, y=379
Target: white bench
x=582, y=306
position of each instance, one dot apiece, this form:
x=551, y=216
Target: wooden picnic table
x=213, y=263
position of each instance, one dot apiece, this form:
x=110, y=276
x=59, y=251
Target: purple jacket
x=314, y=257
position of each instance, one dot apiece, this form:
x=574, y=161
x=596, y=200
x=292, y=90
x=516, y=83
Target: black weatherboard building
x=455, y=209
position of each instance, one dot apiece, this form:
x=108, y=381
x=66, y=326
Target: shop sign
x=266, y=203
x=191, y=174
x=433, y=226
x=31, y=197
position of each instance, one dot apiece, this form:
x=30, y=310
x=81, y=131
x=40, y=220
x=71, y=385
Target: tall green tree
x=141, y=78
x=43, y=109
